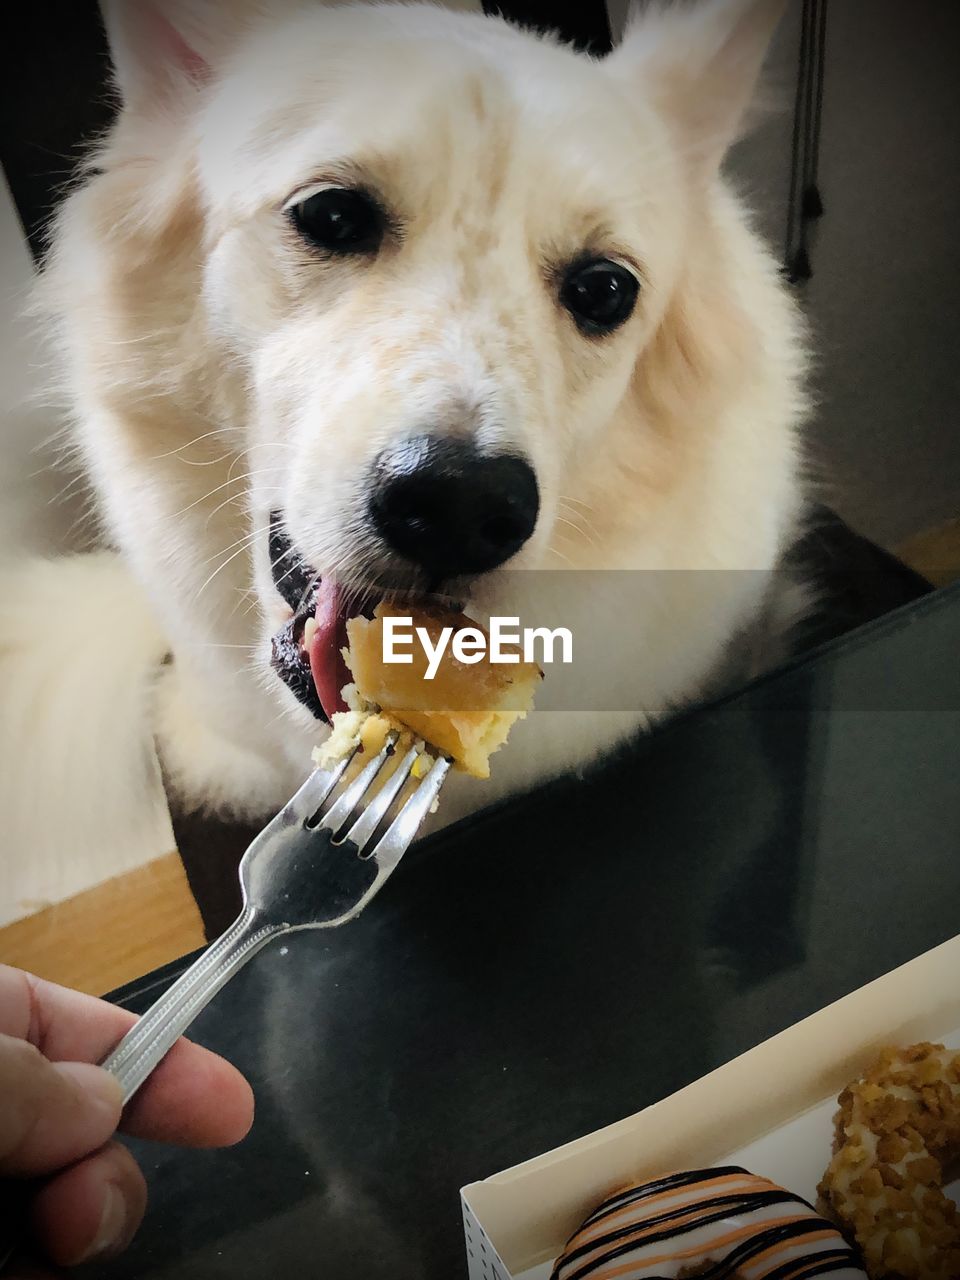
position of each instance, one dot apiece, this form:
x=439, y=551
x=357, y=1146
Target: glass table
x=570, y=957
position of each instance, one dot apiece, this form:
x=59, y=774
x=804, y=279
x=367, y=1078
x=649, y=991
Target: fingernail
x=111, y=1233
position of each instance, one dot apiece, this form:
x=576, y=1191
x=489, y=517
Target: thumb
x=51, y=1114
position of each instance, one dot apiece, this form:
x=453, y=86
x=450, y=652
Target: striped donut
x=725, y=1224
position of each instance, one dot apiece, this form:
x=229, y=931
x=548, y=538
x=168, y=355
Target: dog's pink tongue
x=330, y=672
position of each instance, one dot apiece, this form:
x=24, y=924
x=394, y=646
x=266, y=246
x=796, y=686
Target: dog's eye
x=599, y=294
x=340, y=220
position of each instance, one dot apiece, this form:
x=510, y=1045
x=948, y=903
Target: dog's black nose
x=451, y=509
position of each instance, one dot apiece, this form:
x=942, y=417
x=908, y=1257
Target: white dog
x=427, y=295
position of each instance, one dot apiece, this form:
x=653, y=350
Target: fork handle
x=152, y=1037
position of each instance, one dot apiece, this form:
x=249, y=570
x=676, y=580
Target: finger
x=194, y=1098
x=52, y=1113
x=91, y=1210
x=65, y=1026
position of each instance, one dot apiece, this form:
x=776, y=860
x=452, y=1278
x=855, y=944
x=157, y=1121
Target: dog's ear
x=163, y=50
x=699, y=61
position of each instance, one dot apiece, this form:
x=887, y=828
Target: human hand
x=58, y=1115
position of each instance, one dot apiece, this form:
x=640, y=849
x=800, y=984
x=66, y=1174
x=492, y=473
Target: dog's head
x=442, y=258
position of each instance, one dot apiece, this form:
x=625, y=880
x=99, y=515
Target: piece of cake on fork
x=465, y=711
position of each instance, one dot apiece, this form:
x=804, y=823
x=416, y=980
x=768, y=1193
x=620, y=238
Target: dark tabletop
x=555, y=964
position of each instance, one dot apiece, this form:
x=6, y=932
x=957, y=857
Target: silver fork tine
x=402, y=831
x=342, y=808
x=375, y=812
x=305, y=802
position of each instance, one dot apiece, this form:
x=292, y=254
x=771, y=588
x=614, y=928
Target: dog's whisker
x=552, y=551
x=241, y=457
x=569, y=530
x=208, y=462
x=241, y=543
x=578, y=529
x=207, y=435
x=142, y=338
x=205, y=497
x=284, y=576
x=220, y=568
x=580, y=509
x=239, y=498
x=565, y=499
x=251, y=591
x=289, y=553
x=580, y=518
x=275, y=470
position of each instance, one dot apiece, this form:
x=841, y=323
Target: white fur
x=217, y=369
x=80, y=651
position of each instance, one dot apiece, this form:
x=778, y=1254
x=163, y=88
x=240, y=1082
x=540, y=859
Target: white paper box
x=769, y=1110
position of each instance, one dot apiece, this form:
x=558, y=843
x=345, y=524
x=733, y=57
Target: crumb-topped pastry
x=466, y=711
x=723, y=1223
x=897, y=1130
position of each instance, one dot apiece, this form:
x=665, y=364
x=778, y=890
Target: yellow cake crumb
x=466, y=712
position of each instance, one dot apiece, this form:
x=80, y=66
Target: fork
x=310, y=868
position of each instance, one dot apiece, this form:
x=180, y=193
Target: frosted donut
x=726, y=1224
x=896, y=1130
